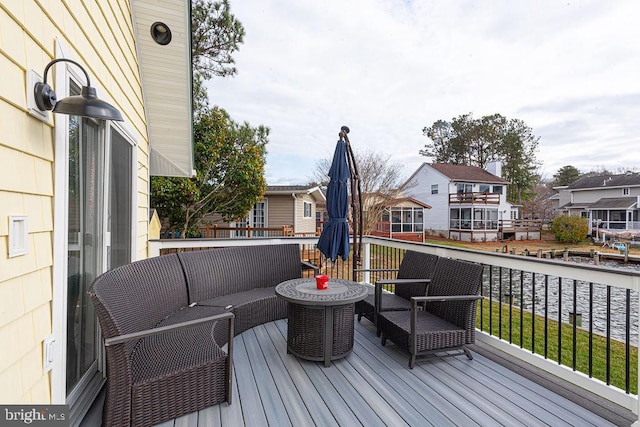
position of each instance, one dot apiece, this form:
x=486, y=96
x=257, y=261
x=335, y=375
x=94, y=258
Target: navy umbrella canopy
x=334, y=240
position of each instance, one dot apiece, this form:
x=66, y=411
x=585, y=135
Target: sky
x=389, y=68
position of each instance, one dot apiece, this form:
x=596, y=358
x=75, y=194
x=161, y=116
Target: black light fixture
x=87, y=104
x=161, y=33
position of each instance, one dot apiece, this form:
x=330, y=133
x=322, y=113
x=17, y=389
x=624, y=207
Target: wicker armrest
x=378, y=289
x=311, y=266
x=141, y=334
x=441, y=298
x=401, y=281
x=375, y=270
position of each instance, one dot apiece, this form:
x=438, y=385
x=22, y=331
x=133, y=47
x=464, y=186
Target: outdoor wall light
x=161, y=33
x=87, y=104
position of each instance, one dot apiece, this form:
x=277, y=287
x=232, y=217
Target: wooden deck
x=374, y=387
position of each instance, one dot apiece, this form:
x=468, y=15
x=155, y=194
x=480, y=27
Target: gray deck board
x=374, y=387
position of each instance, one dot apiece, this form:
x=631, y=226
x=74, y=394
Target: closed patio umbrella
x=334, y=240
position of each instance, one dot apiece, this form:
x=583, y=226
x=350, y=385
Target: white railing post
x=154, y=248
x=366, y=265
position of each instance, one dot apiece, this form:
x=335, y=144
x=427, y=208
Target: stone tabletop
x=304, y=291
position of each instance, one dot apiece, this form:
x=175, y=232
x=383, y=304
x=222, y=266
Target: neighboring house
x=467, y=202
x=293, y=206
x=559, y=198
x=74, y=192
x=611, y=202
x=404, y=219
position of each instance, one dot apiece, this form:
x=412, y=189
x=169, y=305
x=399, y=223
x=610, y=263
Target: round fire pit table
x=320, y=322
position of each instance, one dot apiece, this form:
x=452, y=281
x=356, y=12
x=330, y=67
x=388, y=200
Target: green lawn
x=599, y=343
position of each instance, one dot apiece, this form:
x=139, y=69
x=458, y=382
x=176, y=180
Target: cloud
x=388, y=68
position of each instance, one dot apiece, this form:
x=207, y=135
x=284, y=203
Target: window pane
x=395, y=217
x=407, y=215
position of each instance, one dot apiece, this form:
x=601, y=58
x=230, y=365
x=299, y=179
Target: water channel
x=618, y=308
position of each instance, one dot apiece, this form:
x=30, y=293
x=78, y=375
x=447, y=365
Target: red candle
x=322, y=281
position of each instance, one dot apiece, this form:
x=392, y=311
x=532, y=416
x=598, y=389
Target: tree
x=475, y=142
x=570, y=228
x=216, y=34
x=566, y=175
x=229, y=160
x=379, y=180
x=539, y=206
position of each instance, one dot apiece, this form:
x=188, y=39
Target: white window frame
x=304, y=209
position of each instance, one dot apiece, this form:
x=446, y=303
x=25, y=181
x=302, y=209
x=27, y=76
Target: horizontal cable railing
x=575, y=320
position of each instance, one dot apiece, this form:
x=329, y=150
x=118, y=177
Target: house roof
x=614, y=203
x=398, y=201
x=467, y=173
x=314, y=190
x=628, y=179
x=575, y=206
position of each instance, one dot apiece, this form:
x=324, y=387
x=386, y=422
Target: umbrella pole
x=356, y=202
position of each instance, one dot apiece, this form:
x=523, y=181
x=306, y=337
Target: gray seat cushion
x=433, y=332
x=251, y=308
x=177, y=350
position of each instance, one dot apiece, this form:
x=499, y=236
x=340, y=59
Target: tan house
x=291, y=206
x=74, y=191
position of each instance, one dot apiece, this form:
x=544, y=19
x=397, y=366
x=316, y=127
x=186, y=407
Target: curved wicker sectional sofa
x=169, y=323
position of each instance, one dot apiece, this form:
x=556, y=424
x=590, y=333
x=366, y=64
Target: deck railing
x=474, y=198
x=531, y=307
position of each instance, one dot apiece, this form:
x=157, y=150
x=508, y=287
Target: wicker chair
x=413, y=277
x=447, y=321
x=159, y=367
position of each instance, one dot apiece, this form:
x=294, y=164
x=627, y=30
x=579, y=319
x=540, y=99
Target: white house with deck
x=467, y=202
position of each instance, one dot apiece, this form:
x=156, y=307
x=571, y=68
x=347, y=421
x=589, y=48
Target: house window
x=481, y=218
x=626, y=191
x=464, y=188
x=307, y=210
x=484, y=188
x=434, y=188
x=497, y=189
x=407, y=220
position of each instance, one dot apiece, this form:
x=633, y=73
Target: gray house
x=611, y=202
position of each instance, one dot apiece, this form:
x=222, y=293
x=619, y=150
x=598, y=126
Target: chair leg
x=412, y=361
x=359, y=316
x=383, y=339
x=468, y=353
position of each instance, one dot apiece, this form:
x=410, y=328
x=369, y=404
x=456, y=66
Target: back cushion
x=415, y=265
x=454, y=277
x=139, y=295
x=211, y=273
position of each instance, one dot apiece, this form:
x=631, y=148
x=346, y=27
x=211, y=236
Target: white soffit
x=165, y=71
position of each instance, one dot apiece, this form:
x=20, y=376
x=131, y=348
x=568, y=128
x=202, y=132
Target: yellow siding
x=99, y=35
